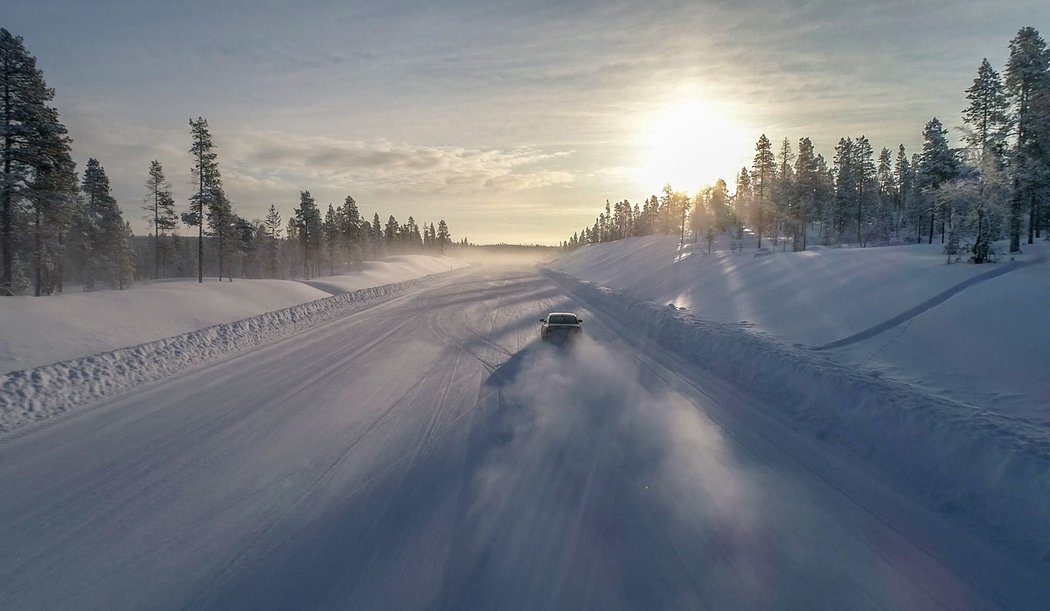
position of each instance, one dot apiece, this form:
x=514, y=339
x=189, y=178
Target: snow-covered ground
x=75, y=349
x=429, y=452
x=40, y=331
x=972, y=333
x=667, y=460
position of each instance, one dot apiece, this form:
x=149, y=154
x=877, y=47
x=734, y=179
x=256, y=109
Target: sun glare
x=691, y=144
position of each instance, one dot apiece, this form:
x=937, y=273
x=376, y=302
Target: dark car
x=560, y=326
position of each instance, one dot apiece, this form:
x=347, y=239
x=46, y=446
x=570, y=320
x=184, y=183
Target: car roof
x=562, y=314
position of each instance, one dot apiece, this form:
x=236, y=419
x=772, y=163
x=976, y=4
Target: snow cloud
x=607, y=472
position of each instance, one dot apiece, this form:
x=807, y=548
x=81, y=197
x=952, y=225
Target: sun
x=690, y=144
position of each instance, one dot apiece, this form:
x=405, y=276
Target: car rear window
x=562, y=319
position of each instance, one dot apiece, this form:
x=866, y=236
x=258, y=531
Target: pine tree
x=332, y=230
x=161, y=208
x=102, y=229
x=221, y=219
x=125, y=258
x=272, y=225
x=902, y=177
x=208, y=182
x=937, y=165
x=887, y=192
x=244, y=243
x=742, y=201
x=411, y=237
x=806, y=191
x=51, y=202
x=27, y=124
x=377, y=235
x=784, y=189
x=307, y=221
x=444, y=238
x=866, y=189
x=988, y=123
x=846, y=187
x=987, y=115
x=1027, y=81
x=351, y=234
x=763, y=175
x=392, y=232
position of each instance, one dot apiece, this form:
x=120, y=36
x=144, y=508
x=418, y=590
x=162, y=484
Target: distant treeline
x=57, y=227
x=996, y=185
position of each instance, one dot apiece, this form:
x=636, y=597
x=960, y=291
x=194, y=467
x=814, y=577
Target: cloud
x=396, y=167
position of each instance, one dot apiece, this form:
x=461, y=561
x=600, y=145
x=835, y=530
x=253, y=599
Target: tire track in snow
x=930, y=303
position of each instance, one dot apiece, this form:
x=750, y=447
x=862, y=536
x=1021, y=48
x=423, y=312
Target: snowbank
x=38, y=331
x=981, y=465
x=984, y=344
x=43, y=392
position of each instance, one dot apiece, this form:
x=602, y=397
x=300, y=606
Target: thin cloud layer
x=398, y=168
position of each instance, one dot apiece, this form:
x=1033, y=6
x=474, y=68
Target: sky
x=513, y=121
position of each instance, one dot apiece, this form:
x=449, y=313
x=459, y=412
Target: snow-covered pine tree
x=272, y=225
x=987, y=116
x=987, y=128
x=937, y=165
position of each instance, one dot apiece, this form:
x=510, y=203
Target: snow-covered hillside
x=971, y=333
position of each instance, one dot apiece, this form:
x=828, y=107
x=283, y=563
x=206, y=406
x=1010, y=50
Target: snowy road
x=427, y=453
